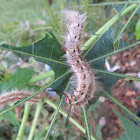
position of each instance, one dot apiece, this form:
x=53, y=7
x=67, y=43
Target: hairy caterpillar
x=16, y=95
x=83, y=75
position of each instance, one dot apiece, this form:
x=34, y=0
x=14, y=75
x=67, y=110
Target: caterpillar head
x=71, y=100
x=68, y=100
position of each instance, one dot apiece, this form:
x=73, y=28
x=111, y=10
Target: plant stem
x=110, y=3
x=38, y=109
x=65, y=114
x=54, y=118
x=56, y=113
x=117, y=74
x=24, y=120
x=51, y=14
x=127, y=23
x=37, y=113
x=114, y=52
x=87, y=124
x=47, y=81
x=41, y=77
x=107, y=25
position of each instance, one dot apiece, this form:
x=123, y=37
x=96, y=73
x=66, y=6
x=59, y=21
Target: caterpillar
x=83, y=78
x=16, y=95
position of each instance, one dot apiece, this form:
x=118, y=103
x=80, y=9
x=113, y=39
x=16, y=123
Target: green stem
x=55, y=115
x=37, y=113
x=86, y=124
x=41, y=77
x=51, y=14
x=117, y=74
x=112, y=53
x=38, y=109
x=54, y=118
x=127, y=23
x=110, y=3
x=65, y=114
x=24, y=120
x=47, y=81
x=107, y=25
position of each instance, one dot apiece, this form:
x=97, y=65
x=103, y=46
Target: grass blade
x=87, y=124
x=54, y=119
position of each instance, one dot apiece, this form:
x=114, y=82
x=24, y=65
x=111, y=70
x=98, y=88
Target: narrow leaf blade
x=131, y=130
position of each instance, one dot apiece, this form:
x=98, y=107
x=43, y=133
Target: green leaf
x=97, y=54
x=98, y=131
x=10, y=116
x=121, y=8
x=126, y=111
x=48, y=50
x=96, y=57
x=138, y=30
x=118, y=9
x=17, y=81
x=132, y=132
x=1, y=118
x=138, y=98
x=5, y=76
x=104, y=49
x=93, y=107
x=31, y=96
x=138, y=11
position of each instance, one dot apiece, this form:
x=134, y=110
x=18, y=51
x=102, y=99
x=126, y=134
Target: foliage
x=48, y=50
x=131, y=130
